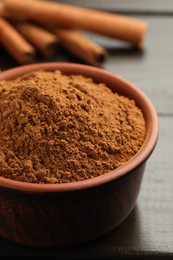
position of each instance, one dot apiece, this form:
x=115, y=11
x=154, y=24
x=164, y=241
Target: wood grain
x=147, y=6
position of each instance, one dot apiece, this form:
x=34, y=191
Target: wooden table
x=148, y=231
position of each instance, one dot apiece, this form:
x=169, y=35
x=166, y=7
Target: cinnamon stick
x=5, y=14
x=104, y=23
x=1, y=8
x=81, y=47
x=15, y=44
x=43, y=40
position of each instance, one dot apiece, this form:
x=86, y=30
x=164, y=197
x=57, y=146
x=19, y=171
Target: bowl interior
x=117, y=84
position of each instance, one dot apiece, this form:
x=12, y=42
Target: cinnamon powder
x=56, y=128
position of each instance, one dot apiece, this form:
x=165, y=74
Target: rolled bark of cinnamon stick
x=104, y=23
x=15, y=44
x=43, y=40
x=1, y=8
x=81, y=47
x=5, y=14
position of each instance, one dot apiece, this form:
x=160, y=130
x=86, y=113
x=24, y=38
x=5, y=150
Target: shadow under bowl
x=73, y=213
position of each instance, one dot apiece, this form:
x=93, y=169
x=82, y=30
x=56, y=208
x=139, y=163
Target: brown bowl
x=73, y=213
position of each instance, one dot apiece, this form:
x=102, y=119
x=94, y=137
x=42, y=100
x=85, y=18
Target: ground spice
x=56, y=128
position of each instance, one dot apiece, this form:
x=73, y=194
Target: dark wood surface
x=148, y=231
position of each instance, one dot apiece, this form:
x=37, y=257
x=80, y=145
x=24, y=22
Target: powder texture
x=56, y=128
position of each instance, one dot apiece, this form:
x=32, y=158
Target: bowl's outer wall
x=67, y=218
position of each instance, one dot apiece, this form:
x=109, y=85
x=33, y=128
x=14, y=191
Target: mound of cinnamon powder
x=56, y=128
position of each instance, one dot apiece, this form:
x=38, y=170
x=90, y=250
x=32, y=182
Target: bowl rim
x=140, y=157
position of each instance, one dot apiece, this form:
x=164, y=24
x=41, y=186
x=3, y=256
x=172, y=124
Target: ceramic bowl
x=73, y=213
